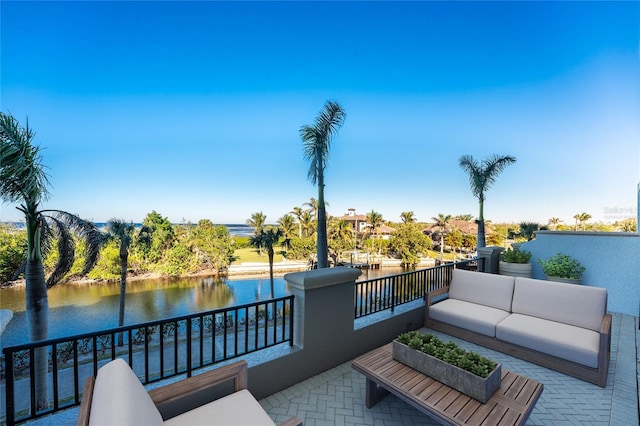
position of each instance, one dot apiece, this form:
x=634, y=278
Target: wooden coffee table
x=510, y=405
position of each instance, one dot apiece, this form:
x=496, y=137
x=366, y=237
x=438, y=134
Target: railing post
x=9, y=389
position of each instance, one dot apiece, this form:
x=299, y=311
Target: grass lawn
x=251, y=254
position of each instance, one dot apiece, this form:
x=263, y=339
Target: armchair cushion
x=120, y=399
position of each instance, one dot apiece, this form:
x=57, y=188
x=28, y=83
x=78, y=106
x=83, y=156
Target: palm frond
x=66, y=251
x=86, y=230
x=22, y=175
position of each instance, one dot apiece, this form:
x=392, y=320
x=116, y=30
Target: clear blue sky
x=194, y=109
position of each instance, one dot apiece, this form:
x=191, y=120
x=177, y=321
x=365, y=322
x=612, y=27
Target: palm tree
x=307, y=224
x=442, y=223
x=23, y=180
x=297, y=212
x=267, y=239
x=122, y=233
x=256, y=221
x=287, y=224
x=341, y=230
x=317, y=141
x=481, y=177
x=408, y=217
x=375, y=221
x=554, y=222
x=313, y=206
x=582, y=218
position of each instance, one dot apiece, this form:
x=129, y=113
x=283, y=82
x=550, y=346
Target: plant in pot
x=562, y=268
x=467, y=372
x=515, y=262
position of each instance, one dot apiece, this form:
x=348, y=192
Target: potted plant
x=562, y=268
x=515, y=262
x=467, y=372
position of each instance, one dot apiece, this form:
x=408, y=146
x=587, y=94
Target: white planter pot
x=563, y=280
x=515, y=269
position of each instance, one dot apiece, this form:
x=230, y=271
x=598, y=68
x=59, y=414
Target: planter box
x=515, y=269
x=454, y=377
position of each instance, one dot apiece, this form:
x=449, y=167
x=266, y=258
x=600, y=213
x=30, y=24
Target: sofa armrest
x=85, y=404
x=434, y=293
x=238, y=372
x=430, y=296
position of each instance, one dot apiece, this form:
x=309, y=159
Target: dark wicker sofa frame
x=596, y=376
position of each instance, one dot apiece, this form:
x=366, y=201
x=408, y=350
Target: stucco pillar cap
x=324, y=277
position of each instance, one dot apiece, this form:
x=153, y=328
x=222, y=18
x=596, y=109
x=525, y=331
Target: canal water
x=83, y=308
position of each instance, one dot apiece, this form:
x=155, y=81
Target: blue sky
x=194, y=109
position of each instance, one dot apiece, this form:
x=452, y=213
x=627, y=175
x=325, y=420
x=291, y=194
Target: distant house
x=357, y=221
x=383, y=232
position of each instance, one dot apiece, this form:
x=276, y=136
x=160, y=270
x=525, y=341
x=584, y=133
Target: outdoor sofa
x=564, y=327
x=116, y=397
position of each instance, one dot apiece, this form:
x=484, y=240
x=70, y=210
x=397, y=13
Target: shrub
x=448, y=352
x=515, y=256
x=563, y=266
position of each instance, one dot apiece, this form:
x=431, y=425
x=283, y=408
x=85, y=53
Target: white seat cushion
x=571, y=304
x=470, y=316
x=239, y=408
x=564, y=341
x=120, y=399
x=491, y=290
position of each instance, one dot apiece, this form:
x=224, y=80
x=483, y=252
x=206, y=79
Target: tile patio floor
x=336, y=397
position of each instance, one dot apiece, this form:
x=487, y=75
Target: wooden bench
x=510, y=405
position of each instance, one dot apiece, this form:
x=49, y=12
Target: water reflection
x=84, y=308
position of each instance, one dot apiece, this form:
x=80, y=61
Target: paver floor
x=337, y=396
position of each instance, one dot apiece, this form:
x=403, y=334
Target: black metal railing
x=155, y=350
x=388, y=292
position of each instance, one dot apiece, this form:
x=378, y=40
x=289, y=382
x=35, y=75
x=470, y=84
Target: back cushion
x=485, y=289
x=120, y=399
x=571, y=304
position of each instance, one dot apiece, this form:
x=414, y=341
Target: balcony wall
x=611, y=260
x=325, y=332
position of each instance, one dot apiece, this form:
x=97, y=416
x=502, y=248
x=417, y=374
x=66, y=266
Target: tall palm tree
x=268, y=239
x=23, y=180
x=442, y=223
x=122, y=233
x=317, y=141
x=408, y=217
x=481, y=177
x=257, y=221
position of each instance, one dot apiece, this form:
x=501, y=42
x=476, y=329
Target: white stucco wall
x=611, y=259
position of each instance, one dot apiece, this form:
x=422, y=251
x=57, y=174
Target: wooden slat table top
x=510, y=405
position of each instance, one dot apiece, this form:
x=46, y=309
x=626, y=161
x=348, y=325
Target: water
x=83, y=308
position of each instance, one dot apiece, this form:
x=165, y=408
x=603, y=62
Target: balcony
x=313, y=378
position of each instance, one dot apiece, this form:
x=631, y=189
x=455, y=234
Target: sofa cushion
x=491, y=290
x=566, y=303
x=564, y=341
x=120, y=399
x=471, y=316
x=239, y=408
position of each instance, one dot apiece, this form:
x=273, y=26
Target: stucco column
x=491, y=257
x=323, y=308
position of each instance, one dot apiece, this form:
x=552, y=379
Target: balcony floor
x=336, y=397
